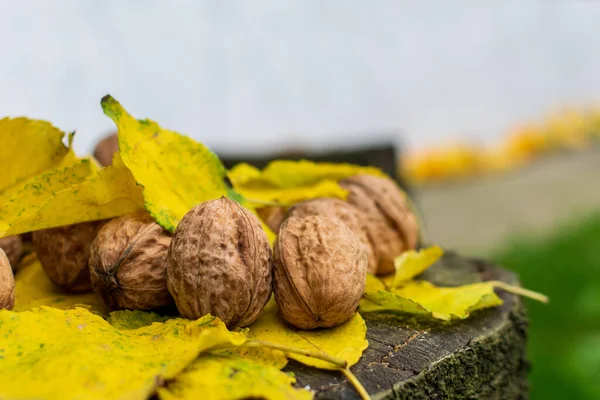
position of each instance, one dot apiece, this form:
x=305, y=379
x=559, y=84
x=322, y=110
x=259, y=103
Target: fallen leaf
x=49, y=353
x=412, y=263
x=29, y=147
x=289, y=174
x=423, y=297
x=69, y=195
x=346, y=341
x=176, y=172
x=33, y=289
x=215, y=377
x=264, y=194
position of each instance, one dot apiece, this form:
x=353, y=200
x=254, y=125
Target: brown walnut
x=392, y=228
x=64, y=253
x=345, y=212
x=220, y=262
x=128, y=263
x=13, y=247
x=320, y=272
x=106, y=148
x=7, y=283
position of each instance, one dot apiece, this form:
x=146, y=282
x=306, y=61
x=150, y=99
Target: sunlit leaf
x=69, y=195
x=412, y=263
x=290, y=196
x=214, y=377
x=29, y=147
x=346, y=341
x=134, y=319
x=49, y=353
x=176, y=172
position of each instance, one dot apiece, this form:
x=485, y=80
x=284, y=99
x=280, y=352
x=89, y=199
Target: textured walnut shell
x=272, y=216
x=64, y=253
x=106, y=148
x=220, y=262
x=392, y=227
x=128, y=263
x=7, y=283
x=13, y=247
x=320, y=271
x=345, y=212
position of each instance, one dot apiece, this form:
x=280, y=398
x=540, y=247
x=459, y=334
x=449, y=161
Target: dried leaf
x=33, y=288
x=346, y=341
x=69, y=195
x=134, y=319
x=412, y=263
x=50, y=353
x=215, y=377
x=176, y=172
x=29, y=147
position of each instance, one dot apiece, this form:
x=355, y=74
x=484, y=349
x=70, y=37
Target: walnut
x=320, y=271
x=272, y=216
x=64, y=253
x=128, y=263
x=392, y=228
x=220, y=262
x=106, y=148
x=345, y=212
x=7, y=283
x=13, y=247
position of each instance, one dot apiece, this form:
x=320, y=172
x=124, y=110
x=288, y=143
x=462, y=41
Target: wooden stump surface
x=482, y=357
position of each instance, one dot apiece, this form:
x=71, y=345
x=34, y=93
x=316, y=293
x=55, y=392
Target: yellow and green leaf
x=69, y=195
x=29, y=147
x=412, y=263
x=49, y=353
x=176, y=172
x=216, y=377
x=346, y=342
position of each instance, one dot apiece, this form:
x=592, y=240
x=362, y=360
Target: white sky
x=253, y=75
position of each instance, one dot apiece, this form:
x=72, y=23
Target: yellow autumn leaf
x=176, y=172
x=33, y=289
x=289, y=196
x=346, y=342
x=69, y=195
x=288, y=174
x=423, y=297
x=29, y=147
x=412, y=263
x=49, y=353
x=243, y=173
x=217, y=377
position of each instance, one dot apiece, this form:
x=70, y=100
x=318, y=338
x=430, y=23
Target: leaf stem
x=338, y=362
x=356, y=383
x=520, y=291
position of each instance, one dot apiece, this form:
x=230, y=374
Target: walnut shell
x=128, y=263
x=392, y=227
x=272, y=216
x=64, y=253
x=345, y=212
x=7, y=283
x=220, y=262
x=106, y=148
x=320, y=271
x=13, y=247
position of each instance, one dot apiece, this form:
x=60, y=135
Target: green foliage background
x=564, y=342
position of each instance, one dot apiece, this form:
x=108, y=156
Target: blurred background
x=487, y=112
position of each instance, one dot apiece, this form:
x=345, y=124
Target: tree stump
x=481, y=357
